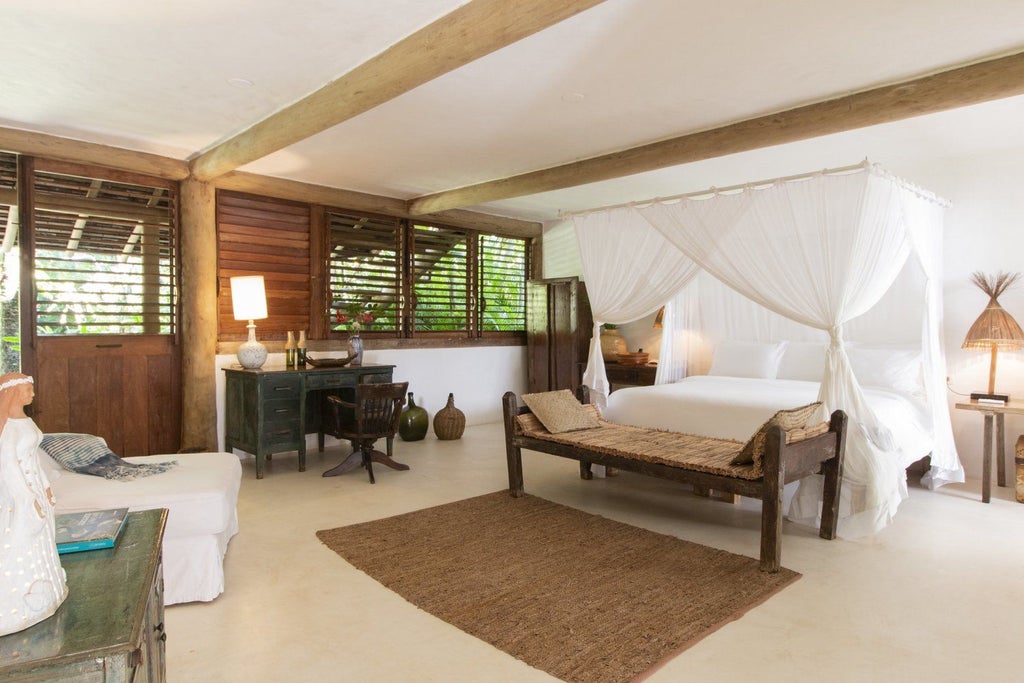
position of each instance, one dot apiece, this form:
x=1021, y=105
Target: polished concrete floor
x=937, y=596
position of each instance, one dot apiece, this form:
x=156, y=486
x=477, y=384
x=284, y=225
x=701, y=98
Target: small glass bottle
x=289, y=350
x=301, y=351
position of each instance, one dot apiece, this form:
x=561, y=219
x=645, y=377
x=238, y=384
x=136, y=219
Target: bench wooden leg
x=585, y=471
x=771, y=505
x=833, y=471
x=513, y=455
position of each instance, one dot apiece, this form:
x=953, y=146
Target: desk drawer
x=281, y=434
x=282, y=412
x=275, y=387
x=330, y=380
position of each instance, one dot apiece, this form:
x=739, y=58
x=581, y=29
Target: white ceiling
x=154, y=76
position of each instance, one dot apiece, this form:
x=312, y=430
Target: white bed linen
x=735, y=407
x=201, y=494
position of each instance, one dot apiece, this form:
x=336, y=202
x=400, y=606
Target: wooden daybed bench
x=701, y=461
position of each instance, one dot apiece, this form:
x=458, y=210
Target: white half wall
x=478, y=376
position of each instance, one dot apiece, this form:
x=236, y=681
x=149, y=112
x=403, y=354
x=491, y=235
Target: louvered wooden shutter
x=105, y=254
x=268, y=237
x=440, y=269
x=365, y=268
x=502, y=284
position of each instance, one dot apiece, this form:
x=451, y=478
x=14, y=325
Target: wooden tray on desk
x=328, y=362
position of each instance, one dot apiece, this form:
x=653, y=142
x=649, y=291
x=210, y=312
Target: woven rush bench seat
x=673, y=449
x=702, y=461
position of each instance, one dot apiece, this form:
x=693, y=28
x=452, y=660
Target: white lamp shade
x=248, y=297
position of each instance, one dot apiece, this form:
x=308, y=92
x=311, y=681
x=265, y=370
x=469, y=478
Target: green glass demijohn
x=413, y=422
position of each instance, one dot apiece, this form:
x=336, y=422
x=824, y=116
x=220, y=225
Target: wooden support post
x=198, y=315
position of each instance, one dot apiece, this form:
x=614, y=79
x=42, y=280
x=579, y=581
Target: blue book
x=78, y=531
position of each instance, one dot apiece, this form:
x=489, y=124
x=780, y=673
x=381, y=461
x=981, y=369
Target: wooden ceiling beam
x=958, y=87
x=470, y=32
x=54, y=147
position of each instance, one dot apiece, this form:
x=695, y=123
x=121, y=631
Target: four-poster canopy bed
x=822, y=286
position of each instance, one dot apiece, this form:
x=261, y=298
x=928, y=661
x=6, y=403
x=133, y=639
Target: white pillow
x=898, y=369
x=804, y=361
x=746, y=359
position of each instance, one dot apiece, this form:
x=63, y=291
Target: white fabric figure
x=32, y=581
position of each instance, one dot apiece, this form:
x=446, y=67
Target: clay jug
x=450, y=422
x=413, y=422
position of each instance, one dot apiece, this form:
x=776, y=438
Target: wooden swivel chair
x=373, y=415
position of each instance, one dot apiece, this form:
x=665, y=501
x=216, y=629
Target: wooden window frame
x=320, y=297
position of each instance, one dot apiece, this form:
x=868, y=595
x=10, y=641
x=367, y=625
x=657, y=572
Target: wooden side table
x=631, y=375
x=997, y=414
x=111, y=626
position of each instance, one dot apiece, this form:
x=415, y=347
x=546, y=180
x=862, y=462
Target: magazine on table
x=78, y=531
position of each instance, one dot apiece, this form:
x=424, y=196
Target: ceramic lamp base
x=251, y=354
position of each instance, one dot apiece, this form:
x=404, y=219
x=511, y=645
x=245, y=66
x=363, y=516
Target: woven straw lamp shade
x=995, y=328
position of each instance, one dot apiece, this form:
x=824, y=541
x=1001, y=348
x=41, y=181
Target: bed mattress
x=735, y=407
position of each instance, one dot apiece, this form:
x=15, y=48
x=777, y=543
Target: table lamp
x=994, y=329
x=249, y=302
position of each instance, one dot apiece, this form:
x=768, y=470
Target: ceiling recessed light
x=240, y=82
x=573, y=97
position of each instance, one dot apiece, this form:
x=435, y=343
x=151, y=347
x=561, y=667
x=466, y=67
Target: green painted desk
x=110, y=628
x=272, y=409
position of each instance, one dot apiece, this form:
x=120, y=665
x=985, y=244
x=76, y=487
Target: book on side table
x=78, y=531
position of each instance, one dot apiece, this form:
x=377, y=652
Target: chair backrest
x=379, y=407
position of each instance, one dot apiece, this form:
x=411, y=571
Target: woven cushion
x=792, y=418
x=559, y=411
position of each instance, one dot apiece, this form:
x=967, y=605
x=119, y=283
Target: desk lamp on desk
x=994, y=329
x=249, y=302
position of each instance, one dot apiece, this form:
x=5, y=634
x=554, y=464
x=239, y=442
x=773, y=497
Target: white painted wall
x=984, y=230
x=478, y=376
x=983, y=233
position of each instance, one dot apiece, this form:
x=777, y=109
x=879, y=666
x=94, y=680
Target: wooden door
x=123, y=388
x=99, y=285
x=558, y=330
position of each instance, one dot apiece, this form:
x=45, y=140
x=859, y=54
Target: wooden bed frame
x=783, y=463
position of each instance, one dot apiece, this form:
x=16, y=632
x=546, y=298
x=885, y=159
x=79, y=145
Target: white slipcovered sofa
x=201, y=494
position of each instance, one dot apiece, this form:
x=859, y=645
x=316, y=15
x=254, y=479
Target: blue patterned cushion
x=88, y=454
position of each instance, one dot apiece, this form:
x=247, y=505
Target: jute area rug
x=579, y=596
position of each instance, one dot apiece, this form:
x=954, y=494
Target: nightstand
x=631, y=375
x=997, y=414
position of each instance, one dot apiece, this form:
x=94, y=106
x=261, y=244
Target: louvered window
x=440, y=265
x=326, y=268
x=364, y=272
x=104, y=256
x=502, y=283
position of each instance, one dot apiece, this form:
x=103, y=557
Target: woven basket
x=450, y=422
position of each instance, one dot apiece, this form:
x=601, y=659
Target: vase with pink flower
x=354, y=317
